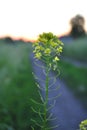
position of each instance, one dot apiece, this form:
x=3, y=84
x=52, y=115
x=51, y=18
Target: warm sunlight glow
x=28, y=18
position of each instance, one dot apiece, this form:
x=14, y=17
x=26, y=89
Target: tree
x=77, y=26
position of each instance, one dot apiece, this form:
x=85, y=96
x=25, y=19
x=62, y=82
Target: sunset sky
x=28, y=18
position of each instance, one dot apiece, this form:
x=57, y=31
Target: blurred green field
x=75, y=79
x=17, y=84
x=76, y=50
x=17, y=87
x=75, y=76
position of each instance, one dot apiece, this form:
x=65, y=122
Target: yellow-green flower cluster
x=83, y=125
x=48, y=47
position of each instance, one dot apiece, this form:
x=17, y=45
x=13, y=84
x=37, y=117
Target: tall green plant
x=46, y=49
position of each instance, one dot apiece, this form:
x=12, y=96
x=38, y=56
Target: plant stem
x=46, y=97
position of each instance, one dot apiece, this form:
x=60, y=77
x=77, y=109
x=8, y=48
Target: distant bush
x=77, y=26
x=9, y=40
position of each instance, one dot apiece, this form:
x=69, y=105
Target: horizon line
x=26, y=39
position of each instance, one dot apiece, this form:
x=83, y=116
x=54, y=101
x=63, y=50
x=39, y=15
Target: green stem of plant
x=46, y=97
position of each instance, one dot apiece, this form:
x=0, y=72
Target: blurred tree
x=77, y=26
x=9, y=40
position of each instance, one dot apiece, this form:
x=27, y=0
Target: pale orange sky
x=29, y=18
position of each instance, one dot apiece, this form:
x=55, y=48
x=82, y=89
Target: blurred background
x=21, y=21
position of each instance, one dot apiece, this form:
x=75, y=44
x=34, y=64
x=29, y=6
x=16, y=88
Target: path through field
x=68, y=110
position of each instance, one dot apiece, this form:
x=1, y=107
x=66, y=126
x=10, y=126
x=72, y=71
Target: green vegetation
x=17, y=84
x=17, y=87
x=76, y=50
x=75, y=77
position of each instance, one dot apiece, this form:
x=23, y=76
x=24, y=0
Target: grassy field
x=76, y=50
x=17, y=84
x=75, y=77
x=17, y=87
x=76, y=80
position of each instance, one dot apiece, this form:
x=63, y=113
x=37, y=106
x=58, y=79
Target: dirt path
x=67, y=109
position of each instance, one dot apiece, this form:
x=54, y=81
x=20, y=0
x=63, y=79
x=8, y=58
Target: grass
x=17, y=87
x=76, y=80
x=76, y=50
x=75, y=77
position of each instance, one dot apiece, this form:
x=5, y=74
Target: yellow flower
x=47, y=46
x=53, y=44
x=60, y=43
x=37, y=48
x=38, y=55
x=43, y=40
x=59, y=49
x=56, y=59
x=83, y=125
x=47, y=51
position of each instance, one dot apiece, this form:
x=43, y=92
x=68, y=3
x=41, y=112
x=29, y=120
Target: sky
x=29, y=18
